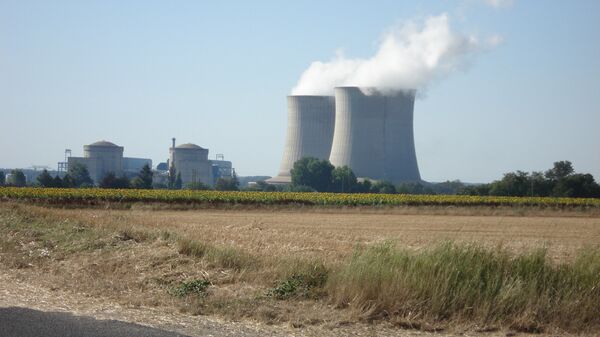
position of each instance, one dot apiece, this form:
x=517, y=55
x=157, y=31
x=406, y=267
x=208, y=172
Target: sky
x=216, y=74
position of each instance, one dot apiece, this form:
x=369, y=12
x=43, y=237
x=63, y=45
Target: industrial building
x=370, y=131
x=221, y=168
x=103, y=157
x=309, y=132
x=374, y=134
x=191, y=162
x=133, y=166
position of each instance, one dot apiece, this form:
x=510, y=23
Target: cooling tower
x=309, y=132
x=374, y=134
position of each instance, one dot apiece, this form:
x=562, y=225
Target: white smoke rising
x=409, y=57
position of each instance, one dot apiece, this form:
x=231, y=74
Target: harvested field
x=279, y=266
x=335, y=233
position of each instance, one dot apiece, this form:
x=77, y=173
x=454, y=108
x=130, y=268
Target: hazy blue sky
x=216, y=74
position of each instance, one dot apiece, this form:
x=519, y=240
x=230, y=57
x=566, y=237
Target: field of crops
x=61, y=195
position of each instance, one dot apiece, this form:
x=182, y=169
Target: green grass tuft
x=194, y=287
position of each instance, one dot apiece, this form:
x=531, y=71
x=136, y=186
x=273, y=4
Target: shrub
x=194, y=287
x=304, y=283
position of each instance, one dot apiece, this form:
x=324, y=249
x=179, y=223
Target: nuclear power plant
x=366, y=129
x=188, y=161
x=309, y=132
x=103, y=157
x=191, y=162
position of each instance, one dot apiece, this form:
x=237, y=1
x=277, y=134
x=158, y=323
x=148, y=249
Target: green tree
x=2, y=178
x=577, y=186
x=80, y=175
x=448, y=187
x=45, y=179
x=344, y=179
x=514, y=184
x=172, y=177
x=18, y=178
x=110, y=180
x=384, y=187
x=363, y=187
x=415, y=188
x=67, y=181
x=178, y=182
x=235, y=183
x=197, y=186
x=145, y=177
x=539, y=186
x=312, y=172
x=479, y=189
x=57, y=182
x=561, y=170
x=301, y=188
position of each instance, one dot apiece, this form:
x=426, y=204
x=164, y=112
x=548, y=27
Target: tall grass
x=453, y=282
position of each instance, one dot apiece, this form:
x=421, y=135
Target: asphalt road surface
x=23, y=322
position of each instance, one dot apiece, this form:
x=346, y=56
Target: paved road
x=23, y=322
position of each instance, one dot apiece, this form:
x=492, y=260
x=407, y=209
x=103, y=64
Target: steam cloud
x=409, y=57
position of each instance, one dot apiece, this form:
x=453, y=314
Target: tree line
x=559, y=181
x=315, y=175
x=312, y=174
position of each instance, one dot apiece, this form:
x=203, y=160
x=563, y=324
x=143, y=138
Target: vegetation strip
x=62, y=195
x=467, y=282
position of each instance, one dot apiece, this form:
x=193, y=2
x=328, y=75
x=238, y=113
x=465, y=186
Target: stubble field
x=287, y=266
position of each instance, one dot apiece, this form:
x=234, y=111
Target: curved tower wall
x=101, y=159
x=309, y=131
x=374, y=134
x=192, y=164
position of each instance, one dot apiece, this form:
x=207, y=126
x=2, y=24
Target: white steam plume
x=409, y=57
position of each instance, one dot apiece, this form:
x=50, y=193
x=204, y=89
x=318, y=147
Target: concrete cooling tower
x=309, y=132
x=374, y=134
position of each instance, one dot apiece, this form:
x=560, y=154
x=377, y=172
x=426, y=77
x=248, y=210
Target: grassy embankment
x=435, y=287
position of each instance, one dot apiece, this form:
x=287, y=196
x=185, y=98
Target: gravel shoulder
x=47, y=308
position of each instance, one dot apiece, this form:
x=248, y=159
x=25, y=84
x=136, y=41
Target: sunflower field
x=92, y=195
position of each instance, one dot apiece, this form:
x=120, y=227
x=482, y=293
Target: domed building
x=104, y=157
x=191, y=162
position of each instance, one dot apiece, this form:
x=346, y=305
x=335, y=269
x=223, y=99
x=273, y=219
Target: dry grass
x=332, y=235
x=452, y=282
x=276, y=265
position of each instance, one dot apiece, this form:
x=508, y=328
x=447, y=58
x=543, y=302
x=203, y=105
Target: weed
x=301, y=284
x=194, y=287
